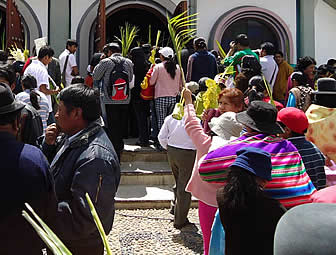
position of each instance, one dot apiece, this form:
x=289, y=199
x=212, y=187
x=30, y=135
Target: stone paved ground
x=152, y=232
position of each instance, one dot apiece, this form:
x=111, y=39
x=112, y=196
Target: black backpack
x=31, y=125
x=118, y=88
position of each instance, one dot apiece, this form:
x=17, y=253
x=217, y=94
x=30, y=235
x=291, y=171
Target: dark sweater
x=250, y=231
x=201, y=64
x=25, y=178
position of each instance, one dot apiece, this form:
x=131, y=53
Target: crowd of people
x=238, y=146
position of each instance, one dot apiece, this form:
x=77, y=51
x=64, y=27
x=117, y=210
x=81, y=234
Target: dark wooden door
x=100, y=33
x=14, y=27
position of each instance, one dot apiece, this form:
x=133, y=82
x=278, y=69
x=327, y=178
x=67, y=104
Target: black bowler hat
x=261, y=117
x=326, y=86
x=8, y=103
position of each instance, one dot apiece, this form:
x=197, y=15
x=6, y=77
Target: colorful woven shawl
x=290, y=183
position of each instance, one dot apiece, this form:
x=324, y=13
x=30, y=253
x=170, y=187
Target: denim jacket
x=88, y=165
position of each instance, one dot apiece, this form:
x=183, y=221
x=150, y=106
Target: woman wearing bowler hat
x=248, y=215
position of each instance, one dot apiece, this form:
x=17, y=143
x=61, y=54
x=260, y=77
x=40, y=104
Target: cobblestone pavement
x=152, y=232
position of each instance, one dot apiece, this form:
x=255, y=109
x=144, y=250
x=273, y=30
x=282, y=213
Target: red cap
x=295, y=119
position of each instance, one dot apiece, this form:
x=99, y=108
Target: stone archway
x=270, y=19
x=87, y=23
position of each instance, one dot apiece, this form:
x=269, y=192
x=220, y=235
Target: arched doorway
x=258, y=31
x=259, y=24
x=140, y=16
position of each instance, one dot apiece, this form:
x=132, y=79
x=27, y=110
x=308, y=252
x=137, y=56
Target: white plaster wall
x=211, y=10
x=41, y=10
x=325, y=33
x=78, y=8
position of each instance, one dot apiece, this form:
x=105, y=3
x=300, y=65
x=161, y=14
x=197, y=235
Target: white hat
x=167, y=52
x=226, y=126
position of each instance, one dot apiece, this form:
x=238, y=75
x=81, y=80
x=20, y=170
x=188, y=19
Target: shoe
x=186, y=223
x=142, y=144
x=171, y=211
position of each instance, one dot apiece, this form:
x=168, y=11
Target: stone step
x=146, y=197
x=134, y=152
x=146, y=173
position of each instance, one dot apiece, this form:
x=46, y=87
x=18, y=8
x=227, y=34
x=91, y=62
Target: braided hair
x=29, y=83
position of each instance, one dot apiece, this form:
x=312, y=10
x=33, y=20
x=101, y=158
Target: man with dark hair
x=269, y=67
x=83, y=161
x=68, y=62
x=331, y=62
x=38, y=69
x=8, y=76
x=32, y=183
x=295, y=125
x=3, y=57
x=238, y=49
x=280, y=85
x=116, y=110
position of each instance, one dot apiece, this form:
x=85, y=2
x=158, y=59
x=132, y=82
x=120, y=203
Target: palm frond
x=127, y=35
x=150, y=34
x=98, y=224
x=269, y=91
x=221, y=50
x=46, y=234
x=181, y=33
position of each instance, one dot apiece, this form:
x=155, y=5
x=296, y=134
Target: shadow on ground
x=190, y=238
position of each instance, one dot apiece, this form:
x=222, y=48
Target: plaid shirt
x=102, y=72
x=313, y=160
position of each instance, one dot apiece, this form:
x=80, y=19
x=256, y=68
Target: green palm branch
x=181, y=32
x=127, y=35
x=46, y=234
x=221, y=50
x=50, y=238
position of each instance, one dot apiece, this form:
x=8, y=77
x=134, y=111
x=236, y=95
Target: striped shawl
x=290, y=183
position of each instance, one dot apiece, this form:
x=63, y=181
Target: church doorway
x=144, y=18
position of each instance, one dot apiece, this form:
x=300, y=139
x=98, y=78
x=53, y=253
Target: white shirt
x=71, y=63
x=173, y=134
x=270, y=69
x=40, y=72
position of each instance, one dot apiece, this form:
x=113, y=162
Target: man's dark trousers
x=116, y=115
x=181, y=162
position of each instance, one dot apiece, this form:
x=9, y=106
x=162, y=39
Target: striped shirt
x=313, y=160
x=43, y=102
x=290, y=183
x=102, y=72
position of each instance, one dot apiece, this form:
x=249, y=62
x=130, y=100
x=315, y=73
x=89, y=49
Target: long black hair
x=170, y=66
x=29, y=82
x=240, y=191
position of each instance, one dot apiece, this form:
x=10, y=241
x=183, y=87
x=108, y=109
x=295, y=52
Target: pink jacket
x=165, y=86
x=201, y=190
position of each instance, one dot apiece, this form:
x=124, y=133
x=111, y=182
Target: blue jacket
x=201, y=64
x=25, y=178
x=88, y=165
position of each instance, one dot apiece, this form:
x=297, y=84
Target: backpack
x=31, y=125
x=118, y=88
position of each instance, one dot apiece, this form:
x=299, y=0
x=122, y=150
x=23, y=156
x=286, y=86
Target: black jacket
x=88, y=165
x=250, y=230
